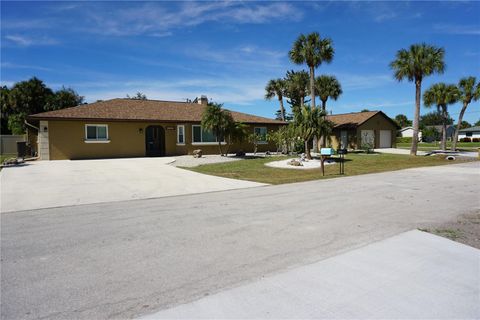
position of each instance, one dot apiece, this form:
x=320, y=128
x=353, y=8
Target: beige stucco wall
x=127, y=139
x=376, y=123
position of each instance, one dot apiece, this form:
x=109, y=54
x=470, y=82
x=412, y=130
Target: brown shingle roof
x=353, y=119
x=142, y=110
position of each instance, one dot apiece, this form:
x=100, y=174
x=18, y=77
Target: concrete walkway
x=414, y=275
x=45, y=184
x=398, y=151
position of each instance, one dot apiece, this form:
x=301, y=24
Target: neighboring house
x=359, y=129
x=136, y=128
x=407, y=132
x=439, y=129
x=473, y=132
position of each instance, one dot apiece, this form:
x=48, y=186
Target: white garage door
x=385, y=139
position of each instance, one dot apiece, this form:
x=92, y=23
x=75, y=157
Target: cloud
x=25, y=41
x=155, y=19
x=358, y=82
x=23, y=66
x=457, y=29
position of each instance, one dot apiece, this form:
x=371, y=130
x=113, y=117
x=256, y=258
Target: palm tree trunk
x=460, y=118
x=307, y=150
x=443, y=145
x=220, y=147
x=323, y=139
x=416, y=118
x=282, y=109
x=312, y=86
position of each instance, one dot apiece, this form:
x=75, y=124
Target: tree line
x=29, y=97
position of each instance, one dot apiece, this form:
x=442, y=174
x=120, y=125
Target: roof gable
x=355, y=119
x=142, y=110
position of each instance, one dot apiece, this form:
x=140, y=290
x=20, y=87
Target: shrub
x=404, y=139
x=465, y=139
x=476, y=140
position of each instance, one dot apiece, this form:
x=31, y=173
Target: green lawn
x=424, y=146
x=355, y=164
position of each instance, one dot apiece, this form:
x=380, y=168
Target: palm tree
x=276, y=87
x=469, y=91
x=327, y=87
x=218, y=120
x=313, y=51
x=310, y=123
x=419, y=61
x=296, y=88
x=441, y=95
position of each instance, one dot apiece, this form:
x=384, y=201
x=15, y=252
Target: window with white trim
x=199, y=135
x=261, y=132
x=96, y=132
x=180, y=134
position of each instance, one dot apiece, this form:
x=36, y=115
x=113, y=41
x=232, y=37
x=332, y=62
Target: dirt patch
x=465, y=229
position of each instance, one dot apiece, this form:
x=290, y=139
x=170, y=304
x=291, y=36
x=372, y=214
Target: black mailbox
x=342, y=151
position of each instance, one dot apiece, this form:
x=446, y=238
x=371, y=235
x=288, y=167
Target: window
x=468, y=134
x=262, y=133
x=203, y=136
x=180, y=134
x=96, y=133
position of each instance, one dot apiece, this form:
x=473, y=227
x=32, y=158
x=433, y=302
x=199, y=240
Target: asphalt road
x=126, y=259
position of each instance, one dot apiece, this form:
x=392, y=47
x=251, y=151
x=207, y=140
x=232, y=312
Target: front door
x=155, y=141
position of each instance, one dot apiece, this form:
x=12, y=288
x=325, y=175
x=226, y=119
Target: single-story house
x=356, y=130
x=135, y=128
x=407, y=132
x=473, y=132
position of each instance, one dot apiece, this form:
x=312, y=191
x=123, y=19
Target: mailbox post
x=341, y=154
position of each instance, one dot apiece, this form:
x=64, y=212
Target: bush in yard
x=404, y=139
x=465, y=139
x=476, y=140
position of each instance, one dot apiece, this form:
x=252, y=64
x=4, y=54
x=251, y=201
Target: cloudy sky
x=229, y=50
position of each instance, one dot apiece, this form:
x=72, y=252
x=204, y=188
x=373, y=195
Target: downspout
x=38, y=130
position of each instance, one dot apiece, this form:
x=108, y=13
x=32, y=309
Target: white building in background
x=408, y=132
x=473, y=132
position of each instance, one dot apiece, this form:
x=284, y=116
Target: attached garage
x=358, y=129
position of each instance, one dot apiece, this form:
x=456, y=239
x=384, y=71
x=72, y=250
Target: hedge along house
x=358, y=129
x=136, y=128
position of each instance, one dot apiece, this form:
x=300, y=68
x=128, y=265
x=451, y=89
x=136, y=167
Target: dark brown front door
x=155, y=141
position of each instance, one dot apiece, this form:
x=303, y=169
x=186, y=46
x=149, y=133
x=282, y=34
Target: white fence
x=8, y=143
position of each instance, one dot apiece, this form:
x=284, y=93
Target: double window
x=181, y=134
x=261, y=133
x=200, y=135
x=96, y=133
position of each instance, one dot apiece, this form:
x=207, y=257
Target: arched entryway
x=155, y=141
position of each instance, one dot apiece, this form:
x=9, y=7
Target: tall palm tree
x=312, y=50
x=442, y=95
x=469, y=91
x=276, y=87
x=296, y=88
x=327, y=87
x=218, y=120
x=414, y=64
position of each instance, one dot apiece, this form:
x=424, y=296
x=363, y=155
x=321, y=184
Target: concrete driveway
x=44, y=184
x=126, y=259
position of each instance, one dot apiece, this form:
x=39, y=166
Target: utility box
x=21, y=149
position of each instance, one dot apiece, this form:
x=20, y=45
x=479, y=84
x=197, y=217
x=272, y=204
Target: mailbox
x=342, y=151
x=326, y=151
